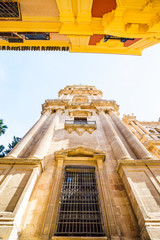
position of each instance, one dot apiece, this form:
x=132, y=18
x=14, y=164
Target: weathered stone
x=31, y=176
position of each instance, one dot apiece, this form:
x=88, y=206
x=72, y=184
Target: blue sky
x=28, y=78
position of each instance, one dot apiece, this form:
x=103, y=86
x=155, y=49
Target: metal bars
x=80, y=122
x=18, y=37
x=11, y=37
x=79, y=211
x=107, y=37
x=35, y=35
x=9, y=9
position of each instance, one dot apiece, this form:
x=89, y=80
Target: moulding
x=79, y=238
x=80, y=155
x=66, y=104
x=22, y=161
x=136, y=162
x=81, y=113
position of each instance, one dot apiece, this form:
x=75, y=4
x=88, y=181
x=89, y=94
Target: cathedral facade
x=82, y=173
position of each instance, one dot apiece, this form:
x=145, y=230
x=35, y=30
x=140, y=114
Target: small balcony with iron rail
x=80, y=125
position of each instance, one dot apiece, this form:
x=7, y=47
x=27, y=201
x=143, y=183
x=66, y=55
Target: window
x=79, y=211
x=9, y=9
x=18, y=37
x=11, y=37
x=35, y=35
x=80, y=120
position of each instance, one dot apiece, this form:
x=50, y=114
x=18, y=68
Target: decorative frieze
x=80, y=113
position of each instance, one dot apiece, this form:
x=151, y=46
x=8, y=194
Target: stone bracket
x=80, y=128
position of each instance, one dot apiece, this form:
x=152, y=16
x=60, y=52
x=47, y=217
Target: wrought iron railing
x=107, y=37
x=18, y=37
x=69, y=122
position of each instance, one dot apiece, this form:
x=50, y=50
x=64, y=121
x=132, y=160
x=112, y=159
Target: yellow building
x=91, y=26
x=81, y=173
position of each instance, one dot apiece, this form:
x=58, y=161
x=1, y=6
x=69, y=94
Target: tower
x=80, y=173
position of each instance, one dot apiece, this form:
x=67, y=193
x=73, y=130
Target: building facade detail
x=82, y=173
x=80, y=125
x=147, y=132
x=92, y=26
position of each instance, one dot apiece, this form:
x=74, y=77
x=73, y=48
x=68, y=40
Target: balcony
x=80, y=126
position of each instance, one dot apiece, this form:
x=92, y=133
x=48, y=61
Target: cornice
x=80, y=89
x=150, y=123
x=80, y=155
x=22, y=161
x=79, y=112
x=136, y=163
x=67, y=104
x=128, y=118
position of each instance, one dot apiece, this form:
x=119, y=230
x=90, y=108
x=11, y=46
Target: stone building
x=82, y=173
x=91, y=26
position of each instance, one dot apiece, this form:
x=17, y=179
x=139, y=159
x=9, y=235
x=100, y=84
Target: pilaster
x=141, y=179
x=45, y=142
x=28, y=137
x=17, y=183
x=134, y=143
x=117, y=146
x=51, y=214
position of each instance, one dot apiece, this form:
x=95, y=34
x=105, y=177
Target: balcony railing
x=70, y=122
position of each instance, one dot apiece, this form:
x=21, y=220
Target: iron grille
x=80, y=120
x=68, y=122
x=18, y=37
x=107, y=37
x=11, y=37
x=79, y=211
x=9, y=9
x=35, y=35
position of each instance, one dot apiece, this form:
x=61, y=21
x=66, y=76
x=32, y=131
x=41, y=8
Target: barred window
x=35, y=35
x=9, y=9
x=80, y=120
x=79, y=212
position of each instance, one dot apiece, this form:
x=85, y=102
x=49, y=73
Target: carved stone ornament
x=80, y=98
x=80, y=155
x=80, y=113
x=80, y=128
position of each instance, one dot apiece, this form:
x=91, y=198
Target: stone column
x=45, y=142
x=137, y=147
x=117, y=146
x=19, y=147
x=137, y=128
x=142, y=128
